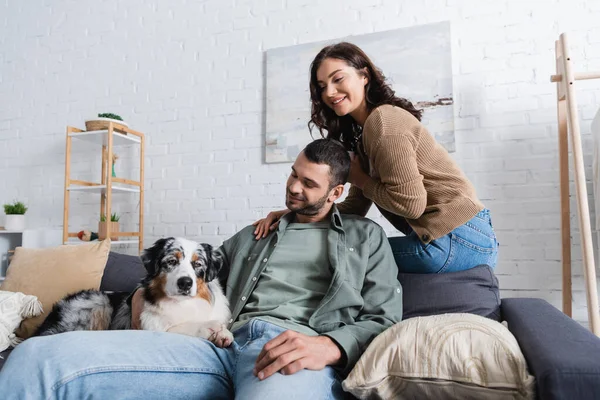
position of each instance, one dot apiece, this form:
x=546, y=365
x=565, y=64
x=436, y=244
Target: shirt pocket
x=355, y=268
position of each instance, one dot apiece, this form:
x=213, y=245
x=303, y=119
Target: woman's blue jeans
x=154, y=365
x=467, y=246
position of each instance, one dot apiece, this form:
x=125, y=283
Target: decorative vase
x=114, y=230
x=15, y=222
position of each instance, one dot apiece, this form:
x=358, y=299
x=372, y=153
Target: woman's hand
x=137, y=304
x=266, y=225
x=357, y=176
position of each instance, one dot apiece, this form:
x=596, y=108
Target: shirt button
x=243, y=298
x=253, y=278
x=351, y=249
x=265, y=260
x=398, y=290
x=231, y=320
x=249, y=258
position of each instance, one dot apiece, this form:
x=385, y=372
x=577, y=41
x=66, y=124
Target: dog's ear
x=214, y=262
x=151, y=256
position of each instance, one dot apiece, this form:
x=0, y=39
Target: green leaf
x=110, y=115
x=18, y=208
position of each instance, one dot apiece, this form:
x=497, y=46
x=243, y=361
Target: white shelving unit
x=101, y=137
x=115, y=135
x=101, y=189
x=9, y=240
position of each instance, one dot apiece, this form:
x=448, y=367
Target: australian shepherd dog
x=181, y=294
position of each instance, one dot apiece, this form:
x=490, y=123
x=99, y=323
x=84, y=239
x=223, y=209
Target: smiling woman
x=344, y=86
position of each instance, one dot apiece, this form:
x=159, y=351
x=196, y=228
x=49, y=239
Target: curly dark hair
x=377, y=93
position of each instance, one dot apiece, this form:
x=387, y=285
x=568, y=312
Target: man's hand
x=137, y=304
x=291, y=352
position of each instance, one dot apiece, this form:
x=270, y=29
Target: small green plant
x=110, y=115
x=17, y=208
x=114, y=217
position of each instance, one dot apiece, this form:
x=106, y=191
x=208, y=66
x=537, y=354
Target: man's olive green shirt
x=364, y=297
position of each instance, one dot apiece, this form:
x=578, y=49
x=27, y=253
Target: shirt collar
x=335, y=221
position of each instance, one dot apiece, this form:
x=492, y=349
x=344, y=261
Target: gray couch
x=563, y=356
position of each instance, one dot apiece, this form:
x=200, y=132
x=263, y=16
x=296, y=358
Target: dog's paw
x=221, y=337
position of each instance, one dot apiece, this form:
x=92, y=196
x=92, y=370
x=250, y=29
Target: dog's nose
x=185, y=283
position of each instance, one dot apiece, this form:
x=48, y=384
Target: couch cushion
x=122, y=273
x=52, y=273
x=462, y=356
x=473, y=291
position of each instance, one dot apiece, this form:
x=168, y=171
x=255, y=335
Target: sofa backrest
x=122, y=273
x=472, y=291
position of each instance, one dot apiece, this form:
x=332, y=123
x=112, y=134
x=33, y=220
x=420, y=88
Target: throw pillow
x=52, y=273
x=449, y=356
x=15, y=307
x=474, y=291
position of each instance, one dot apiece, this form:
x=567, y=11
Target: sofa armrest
x=563, y=356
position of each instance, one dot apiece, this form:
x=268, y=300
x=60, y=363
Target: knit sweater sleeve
x=391, y=148
x=355, y=203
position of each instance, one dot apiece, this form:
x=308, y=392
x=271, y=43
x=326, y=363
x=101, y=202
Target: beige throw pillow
x=52, y=273
x=449, y=356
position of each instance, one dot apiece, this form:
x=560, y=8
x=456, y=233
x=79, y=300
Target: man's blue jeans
x=467, y=246
x=152, y=365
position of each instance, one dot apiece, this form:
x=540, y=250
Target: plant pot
x=114, y=230
x=99, y=124
x=15, y=222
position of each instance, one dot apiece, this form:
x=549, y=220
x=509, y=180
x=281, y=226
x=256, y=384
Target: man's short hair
x=332, y=153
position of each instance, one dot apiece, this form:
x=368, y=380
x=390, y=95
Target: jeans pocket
x=465, y=254
x=479, y=246
x=477, y=234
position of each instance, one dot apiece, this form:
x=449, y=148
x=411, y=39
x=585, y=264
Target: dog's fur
x=181, y=294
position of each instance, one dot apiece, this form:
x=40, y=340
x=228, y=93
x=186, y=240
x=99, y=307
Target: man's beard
x=307, y=208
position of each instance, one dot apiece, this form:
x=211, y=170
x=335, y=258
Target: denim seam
x=450, y=254
x=411, y=253
x=100, y=370
x=480, y=249
x=492, y=236
x=330, y=396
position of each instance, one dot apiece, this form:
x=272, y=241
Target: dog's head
x=178, y=267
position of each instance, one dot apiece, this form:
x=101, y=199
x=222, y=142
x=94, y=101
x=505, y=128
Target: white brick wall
x=190, y=74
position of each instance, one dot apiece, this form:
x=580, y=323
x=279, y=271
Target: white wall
x=190, y=75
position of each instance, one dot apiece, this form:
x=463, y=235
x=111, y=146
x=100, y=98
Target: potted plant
x=103, y=120
x=15, y=216
x=114, y=227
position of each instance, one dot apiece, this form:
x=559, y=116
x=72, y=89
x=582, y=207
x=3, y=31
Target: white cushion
x=449, y=356
x=15, y=307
